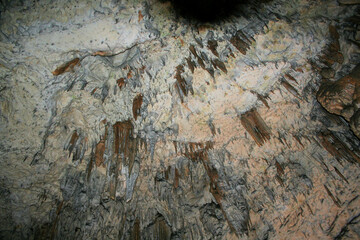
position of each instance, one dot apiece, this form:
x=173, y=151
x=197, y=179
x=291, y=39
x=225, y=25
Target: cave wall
x=126, y=120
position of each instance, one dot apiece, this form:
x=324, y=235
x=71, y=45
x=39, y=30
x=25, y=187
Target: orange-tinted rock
x=338, y=97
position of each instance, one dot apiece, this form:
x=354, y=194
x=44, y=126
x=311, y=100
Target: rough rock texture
x=342, y=97
x=124, y=120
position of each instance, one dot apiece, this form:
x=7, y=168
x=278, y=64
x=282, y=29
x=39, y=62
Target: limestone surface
x=123, y=119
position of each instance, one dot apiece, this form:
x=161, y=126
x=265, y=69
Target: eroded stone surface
x=122, y=120
x=342, y=96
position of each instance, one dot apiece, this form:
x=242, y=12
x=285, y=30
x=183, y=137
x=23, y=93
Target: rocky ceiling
x=133, y=119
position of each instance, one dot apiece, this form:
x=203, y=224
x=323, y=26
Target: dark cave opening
x=211, y=11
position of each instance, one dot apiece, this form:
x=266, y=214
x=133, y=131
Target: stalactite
x=55, y=222
x=261, y=98
x=297, y=138
x=77, y=145
x=279, y=179
x=141, y=62
x=332, y=54
x=219, y=64
x=162, y=231
x=121, y=83
x=199, y=59
x=335, y=200
x=123, y=134
x=239, y=43
x=193, y=51
x=193, y=150
x=93, y=91
x=288, y=76
x=212, y=45
x=72, y=142
x=212, y=127
x=255, y=125
x=100, y=150
x=90, y=164
x=290, y=88
x=99, y=153
x=137, y=102
x=341, y=175
x=191, y=64
x=181, y=85
x=135, y=233
x=279, y=168
x=176, y=178
x=337, y=148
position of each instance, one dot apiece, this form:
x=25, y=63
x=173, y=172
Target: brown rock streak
x=332, y=196
x=290, y=88
x=240, y=44
x=255, y=125
x=212, y=45
x=66, y=67
x=337, y=148
x=176, y=178
x=125, y=145
x=181, y=85
x=100, y=150
x=137, y=102
x=99, y=153
x=121, y=83
x=73, y=140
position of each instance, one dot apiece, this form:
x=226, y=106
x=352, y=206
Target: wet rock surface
x=124, y=120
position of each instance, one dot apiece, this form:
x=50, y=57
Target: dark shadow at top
x=211, y=11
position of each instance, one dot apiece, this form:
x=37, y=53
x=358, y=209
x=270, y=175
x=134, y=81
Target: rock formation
x=131, y=120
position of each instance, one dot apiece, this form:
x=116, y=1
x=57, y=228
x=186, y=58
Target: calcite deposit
x=128, y=119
